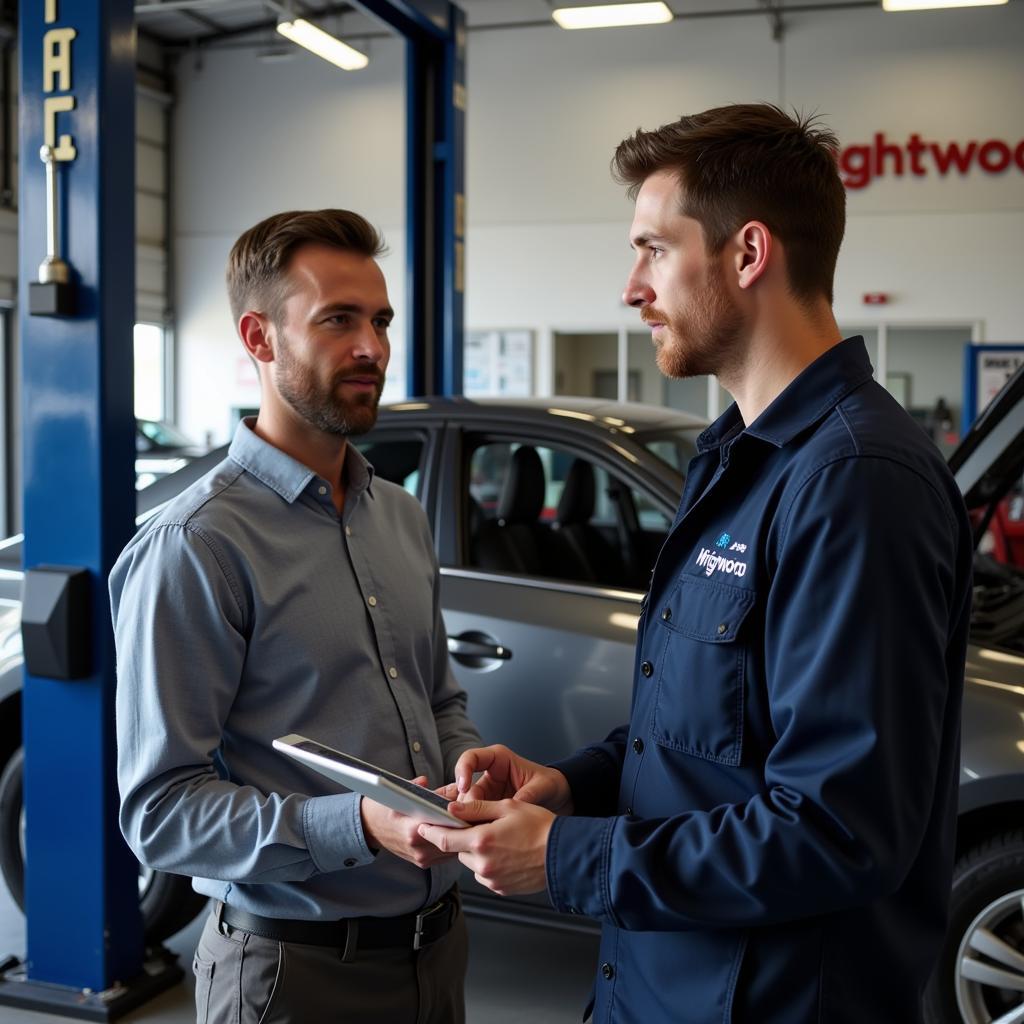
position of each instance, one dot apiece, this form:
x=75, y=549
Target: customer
x=289, y=591
x=770, y=838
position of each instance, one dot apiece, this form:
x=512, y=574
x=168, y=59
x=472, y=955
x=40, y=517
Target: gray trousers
x=246, y=979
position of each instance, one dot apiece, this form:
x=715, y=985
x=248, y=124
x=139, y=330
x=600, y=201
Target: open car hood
x=990, y=459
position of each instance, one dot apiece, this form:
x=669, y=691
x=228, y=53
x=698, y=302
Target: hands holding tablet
x=511, y=806
x=497, y=825
x=398, y=832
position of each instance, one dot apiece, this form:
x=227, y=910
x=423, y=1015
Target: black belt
x=411, y=931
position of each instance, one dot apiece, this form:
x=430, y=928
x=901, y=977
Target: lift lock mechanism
x=53, y=294
x=56, y=622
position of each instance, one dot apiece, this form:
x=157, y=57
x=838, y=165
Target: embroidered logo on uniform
x=712, y=563
x=723, y=541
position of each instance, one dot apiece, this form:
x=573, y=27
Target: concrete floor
x=518, y=974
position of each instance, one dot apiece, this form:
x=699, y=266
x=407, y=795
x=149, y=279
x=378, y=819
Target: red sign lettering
x=861, y=164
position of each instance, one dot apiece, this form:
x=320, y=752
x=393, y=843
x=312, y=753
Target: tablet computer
x=362, y=777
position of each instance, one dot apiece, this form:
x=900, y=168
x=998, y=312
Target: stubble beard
x=707, y=339
x=323, y=407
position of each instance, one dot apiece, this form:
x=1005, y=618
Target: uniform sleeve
x=594, y=774
x=869, y=590
x=180, y=633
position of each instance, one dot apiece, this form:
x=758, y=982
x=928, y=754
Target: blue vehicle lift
x=85, y=951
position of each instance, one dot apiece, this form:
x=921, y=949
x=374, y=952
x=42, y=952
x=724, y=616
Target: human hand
x=390, y=830
x=508, y=852
x=507, y=775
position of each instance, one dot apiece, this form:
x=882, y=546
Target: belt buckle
x=421, y=918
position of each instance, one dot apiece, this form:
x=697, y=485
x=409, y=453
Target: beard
x=322, y=405
x=706, y=339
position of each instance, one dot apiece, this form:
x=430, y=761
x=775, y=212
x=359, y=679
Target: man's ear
x=256, y=333
x=752, y=251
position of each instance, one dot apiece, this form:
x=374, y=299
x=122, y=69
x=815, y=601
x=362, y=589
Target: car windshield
x=674, y=446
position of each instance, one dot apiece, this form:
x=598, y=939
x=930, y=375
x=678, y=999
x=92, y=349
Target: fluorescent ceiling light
x=323, y=44
x=931, y=5
x=612, y=15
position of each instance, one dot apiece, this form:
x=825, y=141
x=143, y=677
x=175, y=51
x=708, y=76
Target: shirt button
x=348, y=531
x=647, y=668
x=667, y=614
x=572, y=910
x=722, y=627
x=629, y=810
x=350, y=862
x=393, y=672
x=322, y=490
x=372, y=601
x=608, y=971
x=638, y=745
x=417, y=747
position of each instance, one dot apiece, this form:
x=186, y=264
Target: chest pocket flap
x=699, y=704
x=706, y=611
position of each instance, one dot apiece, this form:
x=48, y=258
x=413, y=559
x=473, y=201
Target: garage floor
x=516, y=974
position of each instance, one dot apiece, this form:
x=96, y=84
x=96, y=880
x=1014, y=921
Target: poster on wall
x=498, y=363
x=988, y=368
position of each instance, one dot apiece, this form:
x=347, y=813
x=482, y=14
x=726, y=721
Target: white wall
x=547, y=226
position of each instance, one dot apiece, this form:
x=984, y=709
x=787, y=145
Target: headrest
x=522, y=496
x=577, y=502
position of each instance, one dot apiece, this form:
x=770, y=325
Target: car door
x=545, y=649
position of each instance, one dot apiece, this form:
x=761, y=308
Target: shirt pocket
x=699, y=704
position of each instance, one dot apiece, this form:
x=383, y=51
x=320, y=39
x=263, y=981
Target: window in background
x=498, y=363
x=931, y=361
x=150, y=372
x=583, y=361
x=922, y=366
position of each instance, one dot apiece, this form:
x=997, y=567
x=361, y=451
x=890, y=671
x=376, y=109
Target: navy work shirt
x=771, y=838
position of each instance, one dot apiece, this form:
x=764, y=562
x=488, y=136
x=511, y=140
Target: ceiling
x=180, y=24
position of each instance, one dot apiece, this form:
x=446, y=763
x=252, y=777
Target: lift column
x=435, y=89
x=76, y=313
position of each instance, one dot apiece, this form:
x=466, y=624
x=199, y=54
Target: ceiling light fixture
x=612, y=15
x=934, y=5
x=322, y=43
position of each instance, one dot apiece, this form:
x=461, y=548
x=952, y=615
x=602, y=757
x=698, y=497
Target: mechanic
x=770, y=838
x=288, y=591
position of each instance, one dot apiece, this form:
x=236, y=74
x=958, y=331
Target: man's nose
x=370, y=345
x=638, y=292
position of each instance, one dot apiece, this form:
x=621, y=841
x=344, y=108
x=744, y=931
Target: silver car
x=548, y=515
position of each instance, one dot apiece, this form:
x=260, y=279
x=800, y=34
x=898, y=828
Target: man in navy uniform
x=770, y=838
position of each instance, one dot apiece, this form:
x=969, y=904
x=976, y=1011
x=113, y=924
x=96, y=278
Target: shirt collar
x=286, y=475
x=812, y=395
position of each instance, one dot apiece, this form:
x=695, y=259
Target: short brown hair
x=258, y=264
x=752, y=161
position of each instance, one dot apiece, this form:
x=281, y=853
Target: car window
x=548, y=512
x=394, y=457
x=673, y=447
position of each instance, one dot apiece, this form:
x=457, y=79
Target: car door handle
x=471, y=646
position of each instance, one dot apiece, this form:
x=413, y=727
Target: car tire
x=167, y=902
x=987, y=899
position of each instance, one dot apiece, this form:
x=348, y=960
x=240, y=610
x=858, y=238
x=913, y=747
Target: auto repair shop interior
x=477, y=137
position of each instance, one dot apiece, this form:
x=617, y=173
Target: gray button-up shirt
x=247, y=609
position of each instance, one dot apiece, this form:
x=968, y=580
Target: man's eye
x=655, y=252
x=381, y=323
x=338, y=318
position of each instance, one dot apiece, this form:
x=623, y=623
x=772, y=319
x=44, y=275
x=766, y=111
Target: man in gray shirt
x=288, y=591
